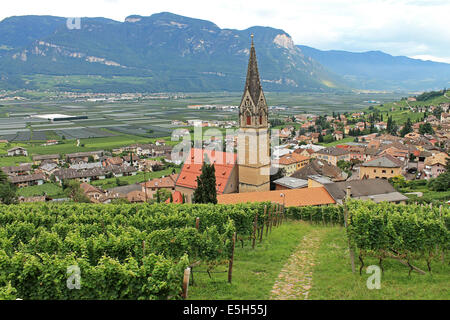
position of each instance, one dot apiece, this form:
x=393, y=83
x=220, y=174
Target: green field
x=400, y=116
x=52, y=190
x=140, y=177
x=255, y=271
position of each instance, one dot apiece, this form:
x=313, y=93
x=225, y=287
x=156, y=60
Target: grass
x=51, y=189
x=13, y=161
x=335, y=143
x=139, y=177
x=333, y=279
x=254, y=271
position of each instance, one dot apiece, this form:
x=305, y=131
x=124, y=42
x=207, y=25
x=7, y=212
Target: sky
x=414, y=28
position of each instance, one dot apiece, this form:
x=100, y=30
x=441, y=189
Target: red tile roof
x=293, y=197
x=177, y=197
x=224, y=162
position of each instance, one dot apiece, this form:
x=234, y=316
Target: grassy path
x=255, y=270
x=295, y=279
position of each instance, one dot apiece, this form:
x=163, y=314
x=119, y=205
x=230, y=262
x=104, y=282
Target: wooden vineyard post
x=255, y=226
x=268, y=220
x=143, y=248
x=352, y=254
x=230, y=266
x=187, y=273
x=262, y=224
x=276, y=215
x=197, y=223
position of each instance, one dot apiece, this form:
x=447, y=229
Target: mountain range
x=168, y=52
x=379, y=70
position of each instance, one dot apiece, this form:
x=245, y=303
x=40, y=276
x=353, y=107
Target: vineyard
x=123, y=251
x=399, y=231
x=142, y=251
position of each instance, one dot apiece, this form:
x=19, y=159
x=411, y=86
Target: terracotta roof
x=300, y=150
x=224, y=162
x=293, y=197
x=114, y=161
x=136, y=196
x=438, y=158
x=88, y=188
x=163, y=182
x=177, y=197
x=291, y=158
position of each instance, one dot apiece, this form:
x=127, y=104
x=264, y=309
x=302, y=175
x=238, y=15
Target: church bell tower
x=253, y=136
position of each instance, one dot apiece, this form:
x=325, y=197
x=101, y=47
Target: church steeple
x=253, y=111
x=252, y=83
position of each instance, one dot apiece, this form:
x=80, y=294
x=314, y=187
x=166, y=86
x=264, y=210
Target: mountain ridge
x=380, y=70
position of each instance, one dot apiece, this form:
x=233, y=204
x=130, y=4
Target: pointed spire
x=252, y=83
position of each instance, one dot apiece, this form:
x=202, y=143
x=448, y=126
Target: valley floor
x=303, y=261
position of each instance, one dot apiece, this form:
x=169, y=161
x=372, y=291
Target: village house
x=132, y=160
x=290, y=183
x=338, y=135
x=112, y=161
x=377, y=190
x=84, y=156
x=28, y=180
x=124, y=192
x=95, y=194
x=89, y=175
x=435, y=165
x=322, y=168
x=292, y=162
x=150, y=165
x=20, y=170
x=384, y=167
x=48, y=168
x=38, y=159
x=17, y=151
x=332, y=155
x=151, y=187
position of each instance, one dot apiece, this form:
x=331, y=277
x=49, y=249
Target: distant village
x=309, y=173
x=305, y=170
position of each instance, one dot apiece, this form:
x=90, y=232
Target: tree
x=442, y=182
x=407, y=128
x=73, y=191
x=8, y=191
x=206, y=184
x=162, y=195
x=320, y=138
x=426, y=128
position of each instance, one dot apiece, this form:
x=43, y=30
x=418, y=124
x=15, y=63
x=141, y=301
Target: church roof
x=224, y=162
x=252, y=83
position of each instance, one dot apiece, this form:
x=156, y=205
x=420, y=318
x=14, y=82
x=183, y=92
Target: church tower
x=253, y=137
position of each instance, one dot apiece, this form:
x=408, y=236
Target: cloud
x=400, y=27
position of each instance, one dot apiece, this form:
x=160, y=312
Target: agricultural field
x=400, y=112
x=151, y=118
